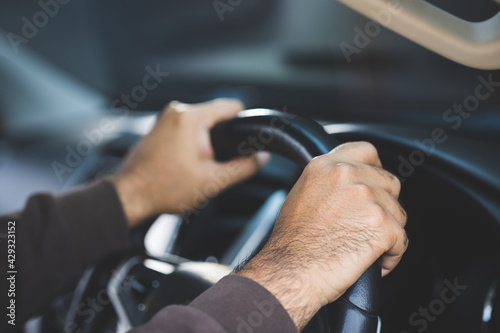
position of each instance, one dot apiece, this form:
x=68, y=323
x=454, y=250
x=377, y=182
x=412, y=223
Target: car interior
x=434, y=121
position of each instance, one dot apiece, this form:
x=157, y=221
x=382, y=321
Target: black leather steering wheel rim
x=301, y=140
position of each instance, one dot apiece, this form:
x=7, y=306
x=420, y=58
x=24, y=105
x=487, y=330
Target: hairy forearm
x=280, y=276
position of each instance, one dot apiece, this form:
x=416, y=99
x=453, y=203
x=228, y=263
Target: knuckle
x=406, y=240
x=395, y=181
x=400, y=238
x=378, y=215
x=345, y=171
x=397, y=185
x=397, y=189
x=362, y=191
x=369, y=148
x=404, y=218
x=181, y=117
x=171, y=106
x=317, y=164
x=342, y=146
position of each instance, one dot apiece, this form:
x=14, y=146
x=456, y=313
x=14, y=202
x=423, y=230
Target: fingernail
x=263, y=157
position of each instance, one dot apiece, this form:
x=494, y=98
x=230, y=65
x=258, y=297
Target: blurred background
x=82, y=81
x=79, y=60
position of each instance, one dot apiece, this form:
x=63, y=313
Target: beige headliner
x=474, y=44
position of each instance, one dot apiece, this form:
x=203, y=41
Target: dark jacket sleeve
x=235, y=304
x=56, y=239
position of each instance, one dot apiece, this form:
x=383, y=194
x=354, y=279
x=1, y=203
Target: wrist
x=294, y=290
x=135, y=203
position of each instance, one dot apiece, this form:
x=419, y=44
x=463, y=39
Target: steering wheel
x=134, y=286
x=301, y=140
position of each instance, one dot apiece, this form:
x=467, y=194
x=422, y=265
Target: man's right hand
x=339, y=218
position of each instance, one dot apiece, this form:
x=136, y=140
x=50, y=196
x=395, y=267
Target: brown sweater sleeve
x=56, y=239
x=235, y=304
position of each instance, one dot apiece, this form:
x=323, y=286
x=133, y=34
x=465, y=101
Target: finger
x=242, y=168
x=219, y=110
x=176, y=106
x=384, y=179
x=362, y=152
x=393, y=256
x=392, y=206
x=377, y=178
x=212, y=111
x=182, y=107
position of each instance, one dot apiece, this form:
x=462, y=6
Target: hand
x=339, y=218
x=172, y=169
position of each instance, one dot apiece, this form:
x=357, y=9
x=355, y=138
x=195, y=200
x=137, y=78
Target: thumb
x=242, y=168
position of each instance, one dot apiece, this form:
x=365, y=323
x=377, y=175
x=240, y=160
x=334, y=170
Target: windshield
x=316, y=58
